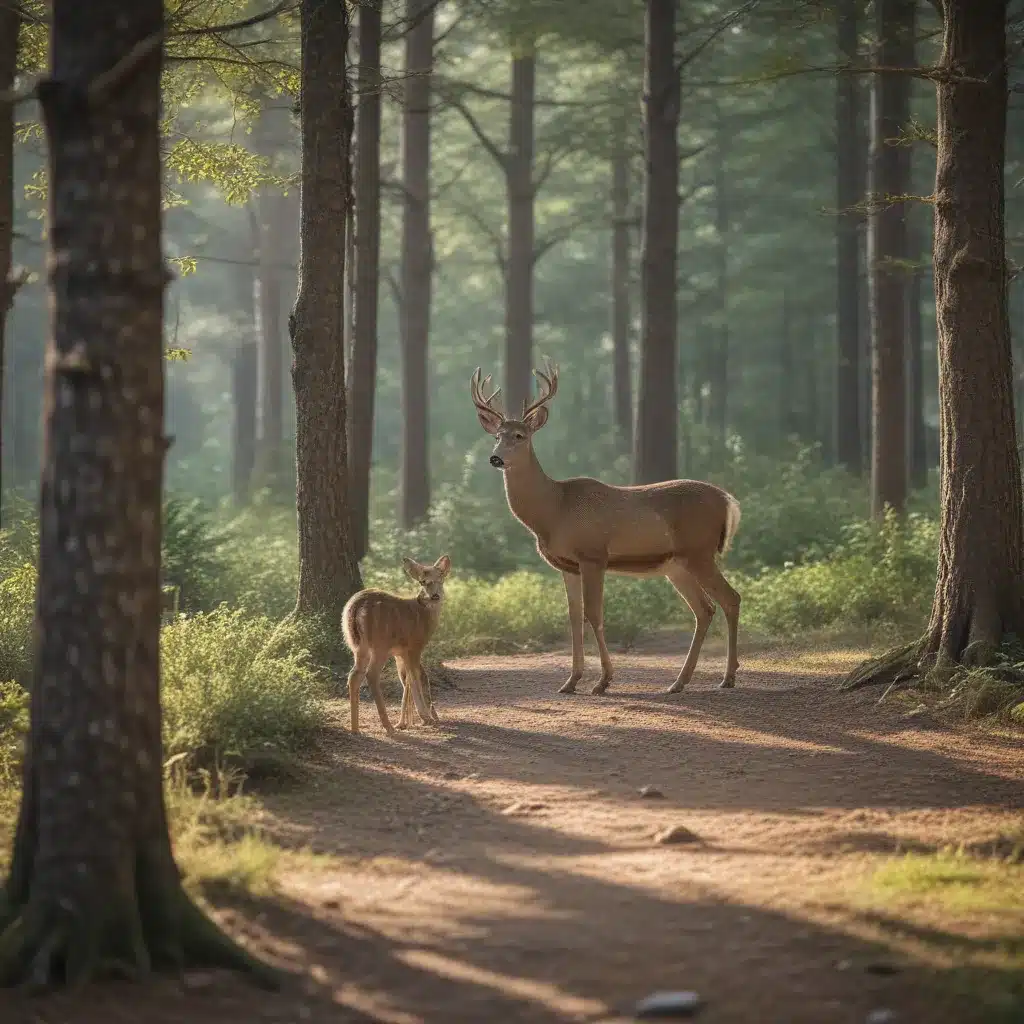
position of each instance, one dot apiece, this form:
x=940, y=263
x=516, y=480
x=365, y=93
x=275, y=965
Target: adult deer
x=585, y=528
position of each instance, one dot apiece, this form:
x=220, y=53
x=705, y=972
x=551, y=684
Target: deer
x=378, y=625
x=585, y=528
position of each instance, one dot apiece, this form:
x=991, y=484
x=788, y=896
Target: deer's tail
x=350, y=622
x=731, y=524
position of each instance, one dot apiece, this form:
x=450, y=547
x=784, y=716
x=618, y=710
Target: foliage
x=17, y=612
x=13, y=729
x=191, y=558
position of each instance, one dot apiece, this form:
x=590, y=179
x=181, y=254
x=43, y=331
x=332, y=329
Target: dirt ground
x=505, y=868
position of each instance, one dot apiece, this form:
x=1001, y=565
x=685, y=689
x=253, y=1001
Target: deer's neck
x=532, y=495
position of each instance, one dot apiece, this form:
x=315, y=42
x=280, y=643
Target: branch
x=234, y=26
x=557, y=236
x=497, y=242
x=450, y=86
x=498, y=155
x=726, y=23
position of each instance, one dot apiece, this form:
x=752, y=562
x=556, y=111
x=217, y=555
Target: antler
x=483, y=402
x=548, y=380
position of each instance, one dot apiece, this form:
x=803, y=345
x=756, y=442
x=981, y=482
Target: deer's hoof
x=569, y=686
x=727, y=683
x=676, y=687
x=600, y=687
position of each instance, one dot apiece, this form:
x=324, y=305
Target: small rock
x=676, y=835
x=650, y=791
x=882, y=1015
x=194, y=980
x=451, y=773
x=844, y=965
x=916, y=712
x=523, y=807
x=885, y=967
x=668, y=1006
x=332, y=904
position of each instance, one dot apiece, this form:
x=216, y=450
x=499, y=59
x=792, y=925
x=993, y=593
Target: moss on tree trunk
x=979, y=591
x=93, y=887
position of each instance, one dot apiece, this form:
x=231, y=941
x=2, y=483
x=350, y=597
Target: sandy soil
x=504, y=867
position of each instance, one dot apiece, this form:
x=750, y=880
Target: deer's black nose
x=497, y=462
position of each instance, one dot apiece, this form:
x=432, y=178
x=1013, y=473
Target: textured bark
x=362, y=376
x=789, y=420
x=9, y=24
x=718, y=364
x=979, y=594
x=916, y=428
x=519, y=271
x=417, y=264
x=887, y=254
x=328, y=570
x=93, y=886
x=850, y=171
x=622, y=374
x=657, y=414
x=244, y=387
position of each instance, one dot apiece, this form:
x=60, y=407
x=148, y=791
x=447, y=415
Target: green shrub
x=229, y=693
x=191, y=558
x=17, y=613
x=13, y=727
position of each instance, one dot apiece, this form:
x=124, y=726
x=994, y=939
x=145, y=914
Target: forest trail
x=505, y=868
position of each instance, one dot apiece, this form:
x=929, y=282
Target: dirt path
x=504, y=867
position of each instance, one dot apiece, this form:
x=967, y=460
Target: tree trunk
x=93, y=885
x=362, y=383
x=10, y=21
x=622, y=376
x=328, y=570
x=519, y=271
x=788, y=418
x=916, y=429
x=849, y=192
x=657, y=414
x=417, y=263
x=245, y=388
x=718, y=368
x=887, y=245
x=979, y=594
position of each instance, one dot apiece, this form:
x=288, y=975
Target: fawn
x=377, y=625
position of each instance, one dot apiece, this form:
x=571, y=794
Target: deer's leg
x=717, y=587
x=403, y=674
x=355, y=680
x=592, y=575
x=418, y=681
x=574, y=599
x=428, y=694
x=703, y=609
x=373, y=671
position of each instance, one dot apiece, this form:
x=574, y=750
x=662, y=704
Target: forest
x=645, y=376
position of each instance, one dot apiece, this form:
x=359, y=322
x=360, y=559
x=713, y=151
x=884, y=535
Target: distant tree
x=328, y=570
x=93, y=887
x=718, y=362
x=417, y=262
x=888, y=253
x=917, y=441
x=979, y=592
x=245, y=361
x=655, y=456
x=850, y=169
x=621, y=274
x=362, y=376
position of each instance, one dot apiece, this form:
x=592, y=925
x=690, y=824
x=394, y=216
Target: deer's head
x=430, y=577
x=513, y=437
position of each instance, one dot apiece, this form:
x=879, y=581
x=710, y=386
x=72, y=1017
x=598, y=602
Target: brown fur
x=378, y=625
x=586, y=528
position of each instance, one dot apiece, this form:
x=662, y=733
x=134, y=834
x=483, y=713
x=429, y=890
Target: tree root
x=895, y=666
x=44, y=945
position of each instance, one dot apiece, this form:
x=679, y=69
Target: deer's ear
x=444, y=564
x=412, y=569
x=489, y=420
x=537, y=419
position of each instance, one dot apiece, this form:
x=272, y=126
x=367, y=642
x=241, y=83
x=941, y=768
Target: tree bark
x=655, y=455
x=916, y=428
x=979, y=594
x=887, y=245
x=622, y=375
x=93, y=886
x=789, y=420
x=849, y=193
x=718, y=368
x=362, y=382
x=245, y=388
x=519, y=271
x=328, y=570
x=10, y=22
x=417, y=264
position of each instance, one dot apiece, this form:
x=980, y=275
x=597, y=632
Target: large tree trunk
x=10, y=22
x=519, y=272
x=979, y=590
x=887, y=254
x=657, y=414
x=93, y=884
x=622, y=375
x=328, y=570
x=417, y=263
x=849, y=192
x=362, y=382
x=979, y=595
x=718, y=364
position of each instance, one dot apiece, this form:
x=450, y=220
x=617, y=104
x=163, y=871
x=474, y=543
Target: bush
x=17, y=613
x=191, y=558
x=235, y=689
x=13, y=727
